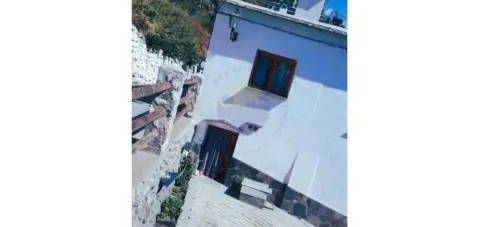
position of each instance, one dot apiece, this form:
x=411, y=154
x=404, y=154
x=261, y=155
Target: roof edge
x=318, y=25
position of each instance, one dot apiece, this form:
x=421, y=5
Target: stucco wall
x=306, y=127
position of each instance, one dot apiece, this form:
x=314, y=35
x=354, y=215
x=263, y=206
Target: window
x=272, y=73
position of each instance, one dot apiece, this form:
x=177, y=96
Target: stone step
x=253, y=192
x=256, y=185
x=252, y=196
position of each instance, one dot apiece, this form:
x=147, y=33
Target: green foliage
x=167, y=27
x=202, y=11
x=186, y=166
x=172, y=206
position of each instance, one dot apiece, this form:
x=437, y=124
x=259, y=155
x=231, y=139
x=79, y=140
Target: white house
x=276, y=85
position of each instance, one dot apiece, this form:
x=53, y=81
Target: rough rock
x=145, y=63
x=146, y=200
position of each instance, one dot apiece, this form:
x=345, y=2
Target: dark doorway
x=217, y=151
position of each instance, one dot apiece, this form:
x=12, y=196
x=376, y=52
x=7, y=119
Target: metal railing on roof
x=289, y=5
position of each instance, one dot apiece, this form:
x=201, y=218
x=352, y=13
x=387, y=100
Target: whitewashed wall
x=309, y=123
x=146, y=64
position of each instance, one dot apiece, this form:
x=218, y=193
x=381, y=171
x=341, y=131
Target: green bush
x=202, y=11
x=186, y=166
x=172, y=207
x=167, y=27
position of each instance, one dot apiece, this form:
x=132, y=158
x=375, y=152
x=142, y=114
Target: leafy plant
x=186, y=166
x=167, y=27
x=172, y=207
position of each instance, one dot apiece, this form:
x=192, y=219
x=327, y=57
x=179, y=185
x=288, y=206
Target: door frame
x=227, y=154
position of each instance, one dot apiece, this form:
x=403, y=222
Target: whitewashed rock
x=145, y=63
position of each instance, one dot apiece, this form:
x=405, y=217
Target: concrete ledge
x=256, y=185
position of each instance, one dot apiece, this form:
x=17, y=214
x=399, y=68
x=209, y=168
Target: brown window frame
x=271, y=74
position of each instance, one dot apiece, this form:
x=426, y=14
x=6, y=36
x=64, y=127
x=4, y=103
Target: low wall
x=146, y=63
x=164, y=151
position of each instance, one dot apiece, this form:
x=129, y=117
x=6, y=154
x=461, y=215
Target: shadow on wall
x=252, y=98
x=317, y=61
x=248, y=109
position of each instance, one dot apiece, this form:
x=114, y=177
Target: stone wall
x=285, y=197
x=146, y=64
x=156, y=135
x=147, y=199
x=151, y=68
x=189, y=96
x=315, y=213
